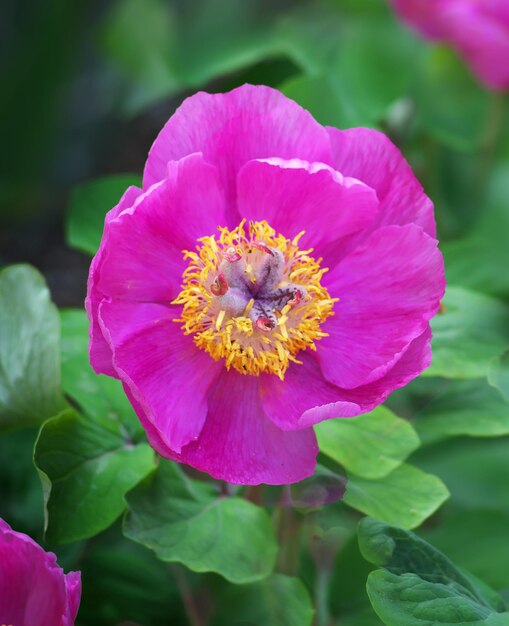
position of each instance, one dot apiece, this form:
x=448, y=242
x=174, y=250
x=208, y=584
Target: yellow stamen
x=235, y=338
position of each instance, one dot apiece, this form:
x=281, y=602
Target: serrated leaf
x=471, y=330
x=29, y=349
x=186, y=521
x=89, y=204
x=370, y=445
x=406, y=496
x=86, y=467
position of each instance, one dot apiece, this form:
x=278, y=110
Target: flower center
x=253, y=298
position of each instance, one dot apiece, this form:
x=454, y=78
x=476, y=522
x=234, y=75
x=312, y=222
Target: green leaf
x=464, y=407
x=276, y=601
x=471, y=331
x=450, y=102
x=88, y=207
x=476, y=471
x=487, y=239
x=185, y=521
x=498, y=375
x=370, y=445
x=407, y=496
x=97, y=395
x=475, y=539
x=420, y=586
x=29, y=349
x=149, y=61
x=86, y=466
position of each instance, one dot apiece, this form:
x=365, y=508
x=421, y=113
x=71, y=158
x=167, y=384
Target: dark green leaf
x=406, y=496
x=277, y=601
x=370, y=445
x=88, y=206
x=86, y=467
x=419, y=585
x=29, y=349
x=498, y=375
x=186, y=521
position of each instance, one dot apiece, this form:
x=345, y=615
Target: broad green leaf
x=276, y=601
x=476, y=471
x=29, y=349
x=420, y=586
x=96, y=395
x=464, y=407
x=498, y=375
x=186, y=521
x=450, y=102
x=86, y=466
x=370, y=445
x=471, y=330
x=88, y=206
x=406, y=496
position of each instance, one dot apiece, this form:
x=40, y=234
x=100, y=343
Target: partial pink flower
x=34, y=591
x=270, y=274
x=478, y=29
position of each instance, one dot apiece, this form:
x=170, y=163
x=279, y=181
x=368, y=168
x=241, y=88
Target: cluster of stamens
x=254, y=299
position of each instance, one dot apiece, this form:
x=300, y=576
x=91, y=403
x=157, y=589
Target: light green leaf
x=420, y=586
x=450, y=102
x=370, y=445
x=407, y=496
x=29, y=349
x=88, y=206
x=186, y=521
x=86, y=466
x=464, y=407
x=471, y=330
x=276, y=601
x=498, y=374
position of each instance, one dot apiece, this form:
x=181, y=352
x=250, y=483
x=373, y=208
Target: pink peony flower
x=34, y=591
x=309, y=275
x=478, y=29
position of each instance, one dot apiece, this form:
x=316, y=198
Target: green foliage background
x=87, y=87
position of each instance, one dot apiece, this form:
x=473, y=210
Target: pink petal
x=305, y=398
x=33, y=588
x=250, y=122
x=388, y=289
x=240, y=445
x=143, y=259
x=372, y=158
x=100, y=353
x=296, y=195
x=167, y=375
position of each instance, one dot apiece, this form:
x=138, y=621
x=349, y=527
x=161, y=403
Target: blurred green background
x=87, y=85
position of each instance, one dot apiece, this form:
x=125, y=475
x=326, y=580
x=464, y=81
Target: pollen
x=253, y=298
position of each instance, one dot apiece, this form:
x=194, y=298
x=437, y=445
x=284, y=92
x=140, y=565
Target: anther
x=220, y=286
